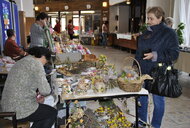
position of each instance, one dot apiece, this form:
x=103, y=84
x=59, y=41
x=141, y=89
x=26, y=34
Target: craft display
x=132, y=80
x=63, y=71
x=101, y=61
x=109, y=75
x=82, y=87
x=66, y=90
x=89, y=57
x=98, y=84
x=76, y=120
x=112, y=118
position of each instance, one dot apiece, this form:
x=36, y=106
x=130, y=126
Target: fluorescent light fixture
x=87, y=12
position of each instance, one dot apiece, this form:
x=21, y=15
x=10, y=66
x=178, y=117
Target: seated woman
x=11, y=48
x=19, y=94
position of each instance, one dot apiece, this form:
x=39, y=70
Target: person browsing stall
x=104, y=33
x=37, y=30
x=169, y=21
x=57, y=27
x=11, y=48
x=70, y=28
x=19, y=93
x=159, y=43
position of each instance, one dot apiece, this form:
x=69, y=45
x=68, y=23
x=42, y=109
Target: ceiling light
x=128, y=2
x=104, y=4
x=36, y=8
x=87, y=12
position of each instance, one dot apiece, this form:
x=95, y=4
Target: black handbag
x=165, y=81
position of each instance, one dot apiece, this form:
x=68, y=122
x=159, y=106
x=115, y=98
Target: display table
x=183, y=62
x=111, y=93
x=3, y=70
x=86, y=39
x=123, y=40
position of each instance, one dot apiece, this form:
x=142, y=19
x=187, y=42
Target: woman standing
x=37, y=30
x=20, y=91
x=104, y=33
x=158, y=43
x=70, y=29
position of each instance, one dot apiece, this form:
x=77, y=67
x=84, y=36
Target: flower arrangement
x=75, y=120
x=113, y=117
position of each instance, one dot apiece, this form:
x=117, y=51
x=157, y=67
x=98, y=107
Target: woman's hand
x=40, y=98
x=148, y=56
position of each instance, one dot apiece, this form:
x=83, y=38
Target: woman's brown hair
x=158, y=12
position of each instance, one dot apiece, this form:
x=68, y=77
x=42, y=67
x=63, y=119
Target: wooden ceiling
x=73, y=5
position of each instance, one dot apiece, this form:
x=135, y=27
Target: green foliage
x=179, y=31
x=143, y=27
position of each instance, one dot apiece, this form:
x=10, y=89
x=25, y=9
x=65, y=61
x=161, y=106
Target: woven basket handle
x=132, y=58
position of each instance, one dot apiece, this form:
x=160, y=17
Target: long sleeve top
x=162, y=41
x=38, y=37
x=57, y=27
x=12, y=49
x=19, y=93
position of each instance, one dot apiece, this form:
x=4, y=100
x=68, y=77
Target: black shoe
x=140, y=125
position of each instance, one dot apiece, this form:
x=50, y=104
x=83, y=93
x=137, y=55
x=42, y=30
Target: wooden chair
x=5, y=123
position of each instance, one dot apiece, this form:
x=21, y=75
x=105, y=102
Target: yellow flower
x=69, y=120
x=81, y=121
x=76, y=102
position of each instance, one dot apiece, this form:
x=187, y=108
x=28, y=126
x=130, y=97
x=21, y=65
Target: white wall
x=123, y=19
x=167, y=5
x=19, y=4
x=112, y=22
x=113, y=2
x=28, y=7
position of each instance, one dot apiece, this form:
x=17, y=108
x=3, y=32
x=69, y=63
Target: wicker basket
x=131, y=85
x=89, y=57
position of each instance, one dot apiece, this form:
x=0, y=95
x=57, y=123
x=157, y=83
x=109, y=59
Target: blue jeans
x=158, y=112
x=104, y=39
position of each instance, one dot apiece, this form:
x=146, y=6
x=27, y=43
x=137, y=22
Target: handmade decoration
x=131, y=80
x=66, y=90
x=112, y=118
x=63, y=71
x=98, y=85
x=101, y=61
x=76, y=120
x=82, y=87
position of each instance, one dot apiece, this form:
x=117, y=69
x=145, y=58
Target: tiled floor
x=177, y=111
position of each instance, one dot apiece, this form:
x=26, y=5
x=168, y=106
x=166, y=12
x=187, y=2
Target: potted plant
x=179, y=31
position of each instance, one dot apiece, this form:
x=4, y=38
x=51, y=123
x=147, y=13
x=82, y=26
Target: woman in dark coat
x=158, y=43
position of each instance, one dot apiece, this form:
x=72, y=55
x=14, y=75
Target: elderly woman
x=169, y=21
x=159, y=43
x=19, y=94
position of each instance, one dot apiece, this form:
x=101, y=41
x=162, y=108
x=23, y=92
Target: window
x=182, y=14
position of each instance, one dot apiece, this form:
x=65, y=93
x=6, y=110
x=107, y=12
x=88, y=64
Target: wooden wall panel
x=74, y=5
x=29, y=22
x=22, y=20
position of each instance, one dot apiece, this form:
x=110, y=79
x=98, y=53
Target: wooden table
x=111, y=93
x=183, y=62
x=3, y=70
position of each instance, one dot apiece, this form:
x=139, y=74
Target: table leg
x=136, y=111
x=67, y=112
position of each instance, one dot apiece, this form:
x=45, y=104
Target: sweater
x=162, y=41
x=38, y=36
x=12, y=49
x=19, y=93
